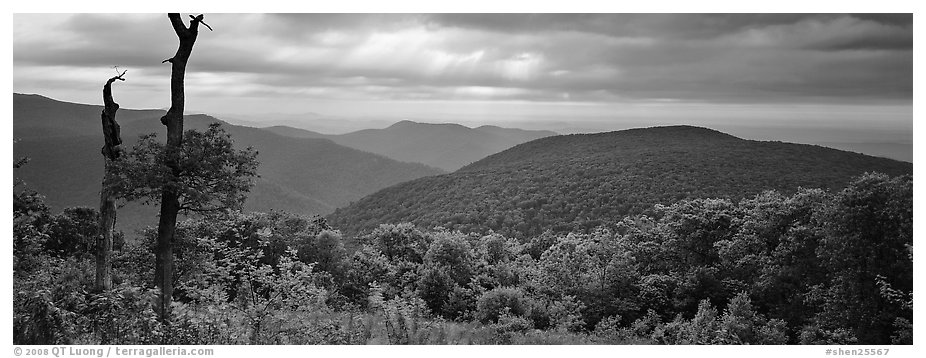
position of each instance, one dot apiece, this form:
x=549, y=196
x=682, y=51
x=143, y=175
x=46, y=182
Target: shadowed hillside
x=302, y=175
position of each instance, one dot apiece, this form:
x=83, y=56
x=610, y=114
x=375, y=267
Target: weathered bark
x=170, y=204
x=111, y=151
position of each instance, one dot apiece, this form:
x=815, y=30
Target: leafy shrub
x=325, y=250
x=461, y=304
x=39, y=319
x=452, y=252
x=903, y=331
x=365, y=266
x=817, y=335
x=48, y=305
x=435, y=287
x=234, y=288
x=741, y=325
x=608, y=326
x=124, y=315
x=703, y=328
x=401, y=316
x=498, y=301
x=73, y=232
x=566, y=314
x=400, y=242
x=508, y=322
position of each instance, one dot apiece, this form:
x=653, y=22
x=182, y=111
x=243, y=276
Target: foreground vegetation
x=811, y=268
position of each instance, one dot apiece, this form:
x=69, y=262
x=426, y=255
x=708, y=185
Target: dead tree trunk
x=111, y=152
x=170, y=204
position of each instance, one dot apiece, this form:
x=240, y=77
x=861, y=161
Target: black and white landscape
x=463, y=179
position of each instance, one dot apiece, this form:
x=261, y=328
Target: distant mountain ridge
x=36, y=116
x=301, y=175
x=579, y=181
x=294, y=132
x=447, y=146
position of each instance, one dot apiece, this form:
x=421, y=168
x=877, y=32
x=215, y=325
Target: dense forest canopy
x=579, y=182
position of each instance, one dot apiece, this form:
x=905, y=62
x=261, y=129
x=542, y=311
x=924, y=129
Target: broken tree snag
x=170, y=205
x=111, y=151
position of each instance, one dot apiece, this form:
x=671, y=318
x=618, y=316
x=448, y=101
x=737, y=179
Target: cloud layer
x=594, y=58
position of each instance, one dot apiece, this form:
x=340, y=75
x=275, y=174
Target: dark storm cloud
x=901, y=20
x=895, y=29
x=671, y=26
x=564, y=57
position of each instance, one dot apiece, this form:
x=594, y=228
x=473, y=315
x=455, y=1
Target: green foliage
x=499, y=302
x=869, y=233
x=435, y=287
x=402, y=316
x=447, y=270
x=741, y=324
x=451, y=253
x=30, y=215
x=325, y=250
x=597, y=269
x=775, y=248
x=692, y=227
x=508, y=323
x=73, y=232
x=566, y=314
x=124, y=315
x=235, y=287
x=814, y=334
x=47, y=304
x=212, y=176
x=702, y=329
x=903, y=331
x=29, y=237
x=609, y=326
x=366, y=266
x=55, y=306
x=402, y=242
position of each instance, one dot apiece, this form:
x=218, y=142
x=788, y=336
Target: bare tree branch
x=200, y=19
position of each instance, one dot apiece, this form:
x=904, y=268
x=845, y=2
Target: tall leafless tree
x=170, y=204
x=111, y=151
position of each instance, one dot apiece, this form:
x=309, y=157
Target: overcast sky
x=569, y=72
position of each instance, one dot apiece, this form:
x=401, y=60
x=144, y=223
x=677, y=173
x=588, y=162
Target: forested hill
x=300, y=175
x=576, y=182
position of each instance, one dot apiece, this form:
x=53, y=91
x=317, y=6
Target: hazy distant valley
x=446, y=146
